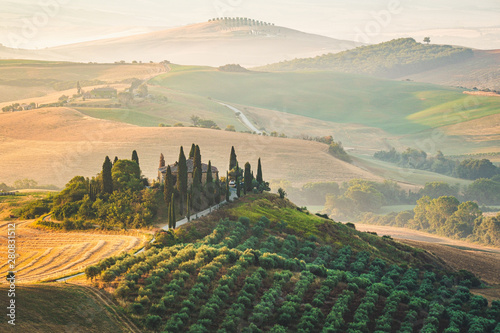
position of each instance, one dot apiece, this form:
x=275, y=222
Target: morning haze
x=250, y=166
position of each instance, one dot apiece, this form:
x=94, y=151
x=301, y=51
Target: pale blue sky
x=468, y=23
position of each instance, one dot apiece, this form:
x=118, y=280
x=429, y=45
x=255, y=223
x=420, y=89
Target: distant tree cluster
x=235, y=68
x=203, y=123
x=240, y=21
x=445, y=216
x=418, y=159
x=18, y=107
x=391, y=59
x=335, y=148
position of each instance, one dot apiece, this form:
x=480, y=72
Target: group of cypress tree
x=183, y=199
x=250, y=183
x=189, y=198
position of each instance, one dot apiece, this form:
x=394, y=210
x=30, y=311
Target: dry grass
x=483, y=261
x=478, y=130
x=65, y=143
x=43, y=254
x=366, y=139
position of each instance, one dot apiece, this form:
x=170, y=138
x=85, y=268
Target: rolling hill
x=213, y=43
x=405, y=58
x=54, y=144
x=399, y=108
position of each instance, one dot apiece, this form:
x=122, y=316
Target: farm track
x=109, y=307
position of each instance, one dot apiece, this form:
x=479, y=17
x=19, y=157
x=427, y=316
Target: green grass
x=455, y=109
x=129, y=116
x=178, y=108
x=295, y=219
x=56, y=308
x=337, y=97
x=410, y=176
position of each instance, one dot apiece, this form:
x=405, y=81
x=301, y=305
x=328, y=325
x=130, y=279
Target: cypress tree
x=232, y=159
x=196, y=179
x=188, y=204
x=115, y=160
x=107, y=179
x=210, y=178
x=192, y=151
x=182, y=177
x=162, y=161
x=227, y=187
x=248, y=178
x=259, y=173
x=168, y=188
x=238, y=186
x=217, y=190
x=135, y=157
x=171, y=213
x=197, y=163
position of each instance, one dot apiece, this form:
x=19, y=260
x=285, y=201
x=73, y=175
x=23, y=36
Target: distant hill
x=391, y=59
x=406, y=59
x=214, y=43
x=399, y=108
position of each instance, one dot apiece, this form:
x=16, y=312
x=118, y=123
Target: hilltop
x=216, y=43
x=405, y=58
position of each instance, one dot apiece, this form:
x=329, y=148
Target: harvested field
x=44, y=254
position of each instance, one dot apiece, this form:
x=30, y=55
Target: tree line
x=445, y=216
x=418, y=159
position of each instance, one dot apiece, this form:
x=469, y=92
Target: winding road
x=243, y=118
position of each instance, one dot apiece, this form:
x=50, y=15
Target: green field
x=178, y=108
x=403, y=175
x=338, y=97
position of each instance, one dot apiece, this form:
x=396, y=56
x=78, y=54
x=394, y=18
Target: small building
x=99, y=93
x=27, y=106
x=190, y=169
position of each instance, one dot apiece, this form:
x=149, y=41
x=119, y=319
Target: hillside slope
x=52, y=145
x=211, y=43
x=405, y=58
x=399, y=108
x=266, y=266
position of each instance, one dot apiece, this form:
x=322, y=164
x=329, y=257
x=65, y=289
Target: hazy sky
x=43, y=23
